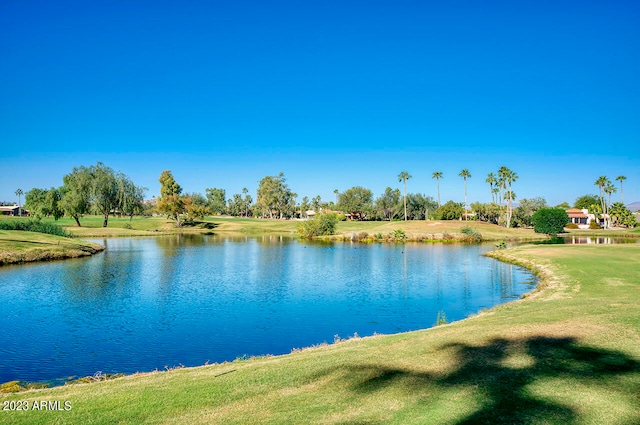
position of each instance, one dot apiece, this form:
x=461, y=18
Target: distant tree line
x=100, y=190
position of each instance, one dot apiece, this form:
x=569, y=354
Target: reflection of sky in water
x=147, y=303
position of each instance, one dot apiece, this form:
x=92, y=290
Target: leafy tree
x=235, y=205
x=419, y=206
x=450, y=211
x=523, y=213
x=316, y=202
x=197, y=199
x=388, y=204
x=130, y=198
x=104, y=190
x=465, y=174
x=35, y=201
x=304, y=206
x=321, y=224
x=564, y=205
x=550, y=221
x=170, y=201
x=489, y=213
x=19, y=193
x=216, y=200
x=194, y=211
x=585, y=201
x=52, y=203
x=437, y=175
x=621, y=179
x=403, y=177
x=274, y=195
x=358, y=201
x=76, y=193
x=44, y=203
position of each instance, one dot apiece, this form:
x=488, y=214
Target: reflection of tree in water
x=497, y=372
x=180, y=240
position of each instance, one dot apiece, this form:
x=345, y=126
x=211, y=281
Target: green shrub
x=321, y=224
x=450, y=211
x=471, y=235
x=361, y=236
x=34, y=226
x=594, y=225
x=398, y=235
x=550, y=221
x=571, y=226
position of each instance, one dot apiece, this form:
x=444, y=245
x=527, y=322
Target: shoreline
x=496, y=254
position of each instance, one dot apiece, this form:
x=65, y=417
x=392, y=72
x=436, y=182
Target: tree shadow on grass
x=501, y=372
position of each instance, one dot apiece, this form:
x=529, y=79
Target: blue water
x=151, y=303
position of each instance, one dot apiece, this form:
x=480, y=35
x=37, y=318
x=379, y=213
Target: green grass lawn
x=567, y=354
x=20, y=246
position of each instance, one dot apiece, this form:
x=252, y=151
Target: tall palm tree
x=19, y=193
x=491, y=179
x=620, y=179
x=510, y=177
x=503, y=172
x=602, y=183
x=465, y=174
x=437, y=175
x=245, y=192
x=403, y=177
x=336, y=191
x=609, y=189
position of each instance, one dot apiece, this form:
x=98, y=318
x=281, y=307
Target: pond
x=156, y=303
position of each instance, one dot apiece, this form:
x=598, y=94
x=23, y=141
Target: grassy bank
x=19, y=247
x=567, y=354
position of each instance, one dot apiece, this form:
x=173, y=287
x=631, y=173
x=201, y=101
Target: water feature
x=151, y=303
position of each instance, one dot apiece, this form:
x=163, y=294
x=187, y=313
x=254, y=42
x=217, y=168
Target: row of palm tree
x=607, y=188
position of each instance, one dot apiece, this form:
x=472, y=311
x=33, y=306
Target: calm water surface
x=147, y=303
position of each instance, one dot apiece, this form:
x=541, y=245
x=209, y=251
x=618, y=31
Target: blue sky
x=334, y=94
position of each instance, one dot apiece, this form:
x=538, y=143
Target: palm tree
x=603, y=182
x=403, y=177
x=336, y=191
x=620, y=179
x=503, y=172
x=437, y=175
x=465, y=174
x=510, y=177
x=19, y=192
x=491, y=179
x=609, y=189
x=245, y=192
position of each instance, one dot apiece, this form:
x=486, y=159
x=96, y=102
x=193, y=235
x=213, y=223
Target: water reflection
x=587, y=240
x=597, y=240
x=146, y=303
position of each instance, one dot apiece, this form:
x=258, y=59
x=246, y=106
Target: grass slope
x=567, y=354
x=19, y=246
